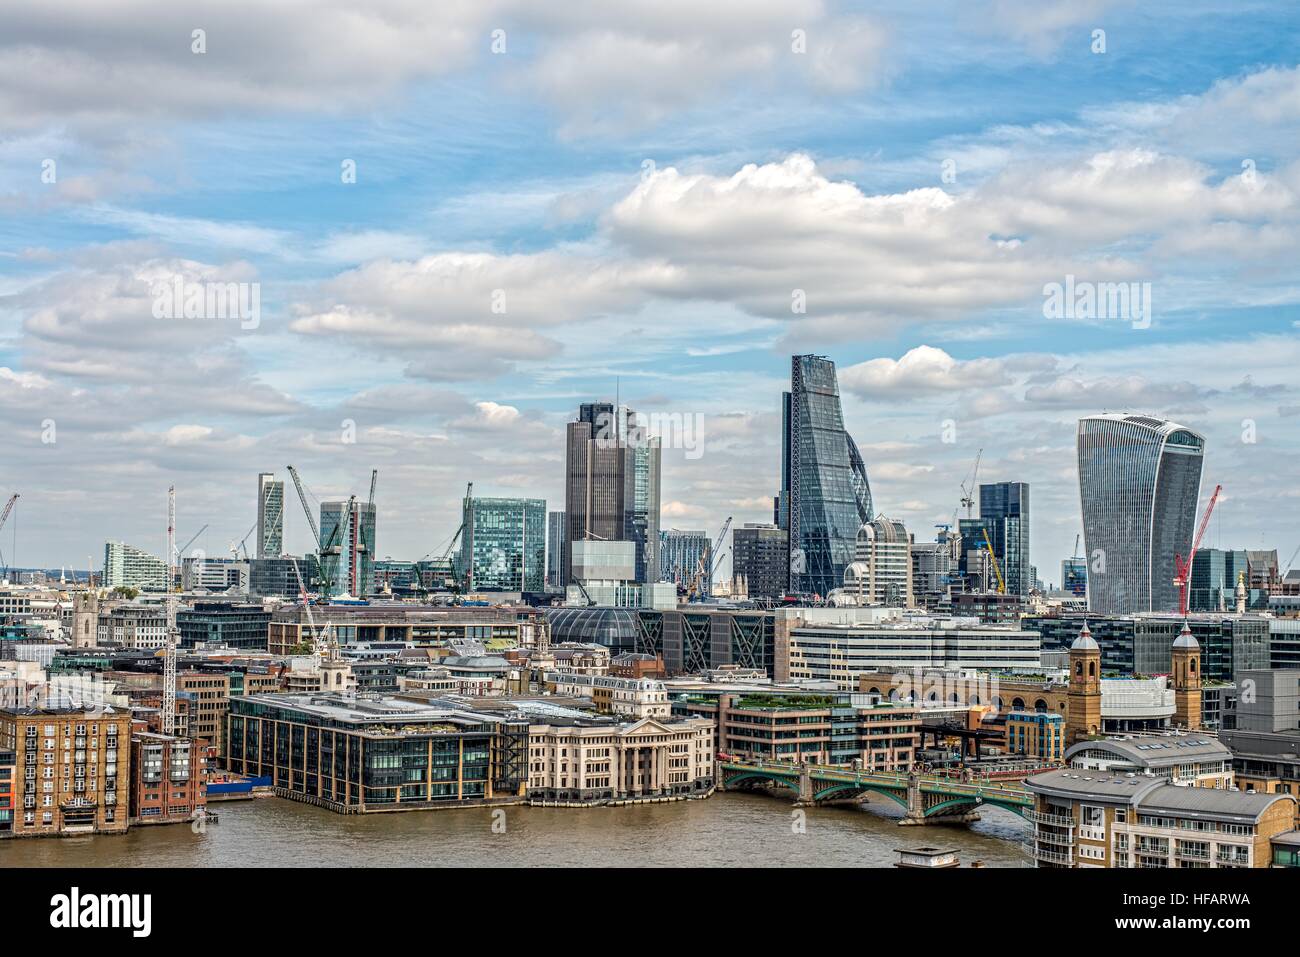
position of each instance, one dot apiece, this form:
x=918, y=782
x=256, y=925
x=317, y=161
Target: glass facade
x=351, y=564
x=1139, y=480
x=760, y=556
x=1214, y=579
x=503, y=545
x=1005, y=506
x=554, y=550
x=415, y=760
x=825, y=496
x=270, y=516
x=682, y=553
x=611, y=486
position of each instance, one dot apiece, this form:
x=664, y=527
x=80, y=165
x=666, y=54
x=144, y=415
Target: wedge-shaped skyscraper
x=825, y=497
x=1139, y=480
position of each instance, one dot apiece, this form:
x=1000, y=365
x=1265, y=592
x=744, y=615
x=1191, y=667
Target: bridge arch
x=780, y=779
x=972, y=804
x=864, y=788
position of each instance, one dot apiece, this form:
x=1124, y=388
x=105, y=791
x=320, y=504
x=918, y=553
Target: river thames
x=726, y=830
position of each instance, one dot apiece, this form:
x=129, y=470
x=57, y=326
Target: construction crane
x=236, y=546
x=169, y=669
x=193, y=539
x=324, y=642
x=4, y=517
x=451, y=547
x=1183, y=569
x=993, y=559
x=968, y=485
x=171, y=533
x=708, y=565
x=1289, y=562
x=322, y=548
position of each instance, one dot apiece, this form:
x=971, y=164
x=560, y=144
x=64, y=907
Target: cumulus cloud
x=924, y=369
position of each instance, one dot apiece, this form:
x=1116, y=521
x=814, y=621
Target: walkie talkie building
x=1139, y=481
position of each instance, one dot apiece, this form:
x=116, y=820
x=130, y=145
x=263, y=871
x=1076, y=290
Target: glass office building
x=270, y=516
x=682, y=554
x=554, y=550
x=611, y=488
x=503, y=544
x=349, y=563
x=1214, y=579
x=825, y=497
x=1139, y=481
x=1005, y=506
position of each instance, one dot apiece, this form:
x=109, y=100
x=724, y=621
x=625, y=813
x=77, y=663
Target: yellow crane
x=993, y=559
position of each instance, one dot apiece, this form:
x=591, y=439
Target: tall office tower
x=554, y=550
x=270, y=516
x=1005, y=507
x=611, y=490
x=503, y=544
x=825, y=497
x=350, y=563
x=682, y=554
x=1139, y=480
x=760, y=560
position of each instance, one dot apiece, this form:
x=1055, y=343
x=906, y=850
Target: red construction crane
x=1183, y=570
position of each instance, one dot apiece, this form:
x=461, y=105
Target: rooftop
x=1158, y=750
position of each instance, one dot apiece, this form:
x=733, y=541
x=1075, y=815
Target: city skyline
x=628, y=234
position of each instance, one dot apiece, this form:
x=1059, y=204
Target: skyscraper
x=1005, y=507
x=270, y=516
x=1139, y=481
x=681, y=553
x=503, y=544
x=611, y=490
x=554, y=550
x=350, y=564
x=825, y=497
x=760, y=560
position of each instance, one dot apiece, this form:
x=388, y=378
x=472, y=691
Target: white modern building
x=842, y=652
x=881, y=570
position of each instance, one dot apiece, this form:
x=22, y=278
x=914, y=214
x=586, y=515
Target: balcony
x=1053, y=820
x=1054, y=837
x=1050, y=856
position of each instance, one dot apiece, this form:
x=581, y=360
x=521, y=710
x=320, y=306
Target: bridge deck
x=932, y=784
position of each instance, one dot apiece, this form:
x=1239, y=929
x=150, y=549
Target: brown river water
x=726, y=830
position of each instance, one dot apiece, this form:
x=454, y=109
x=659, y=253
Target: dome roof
x=1084, y=642
x=1186, y=639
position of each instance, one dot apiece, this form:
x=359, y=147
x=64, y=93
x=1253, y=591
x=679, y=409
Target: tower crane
x=451, y=547
x=709, y=566
x=1183, y=569
x=169, y=669
x=324, y=642
x=993, y=560
x=322, y=548
x=4, y=517
x=968, y=490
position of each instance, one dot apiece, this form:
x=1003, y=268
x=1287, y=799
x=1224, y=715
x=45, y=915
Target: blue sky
x=647, y=184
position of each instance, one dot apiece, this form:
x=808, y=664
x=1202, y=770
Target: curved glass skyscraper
x=825, y=497
x=1139, y=481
